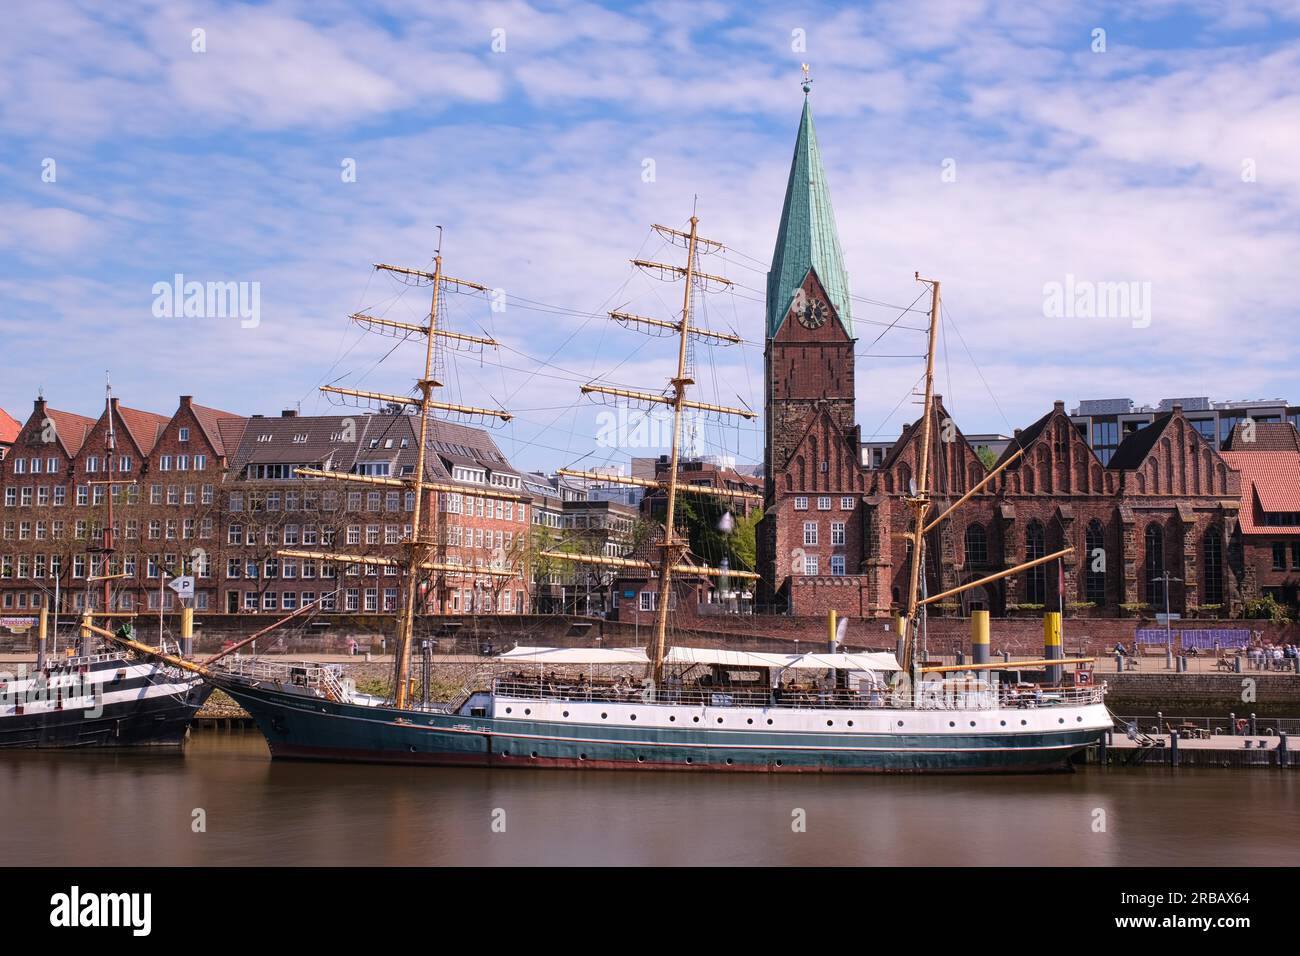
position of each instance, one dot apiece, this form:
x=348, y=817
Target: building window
x=1094, y=581
x=1213, y=565
x=185, y=434
x=837, y=532
x=1036, y=577
x=824, y=503
x=810, y=564
x=1155, y=565
x=837, y=565
x=649, y=600
x=1279, y=555
x=977, y=546
x=810, y=532
x=846, y=504
x=800, y=503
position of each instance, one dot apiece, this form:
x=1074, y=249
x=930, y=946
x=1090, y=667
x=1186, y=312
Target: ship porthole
x=533, y=755
x=1023, y=722
x=411, y=748
x=604, y=716
x=695, y=719
x=1079, y=719
x=1004, y=723
x=634, y=716
x=830, y=723
x=582, y=756
x=769, y=721
x=778, y=763
x=566, y=713
x=850, y=723
x=690, y=760
x=972, y=723
x=952, y=723
x=672, y=720
x=719, y=720
x=900, y=723
x=640, y=759
x=527, y=711
x=750, y=720
x=728, y=761
x=1060, y=720
x=508, y=710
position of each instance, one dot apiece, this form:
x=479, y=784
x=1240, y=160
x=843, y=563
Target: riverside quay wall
x=333, y=633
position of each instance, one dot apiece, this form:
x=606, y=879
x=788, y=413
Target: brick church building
x=1164, y=512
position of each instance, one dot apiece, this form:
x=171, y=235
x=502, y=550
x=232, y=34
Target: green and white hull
x=493, y=730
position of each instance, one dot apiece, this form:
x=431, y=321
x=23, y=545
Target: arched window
x=977, y=546
x=1094, y=579
x=1212, y=551
x=1155, y=566
x=1035, y=578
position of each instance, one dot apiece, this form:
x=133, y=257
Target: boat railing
x=977, y=698
x=323, y=680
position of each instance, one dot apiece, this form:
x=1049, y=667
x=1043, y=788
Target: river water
x=143, y=809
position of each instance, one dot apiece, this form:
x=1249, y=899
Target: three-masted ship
x=662, y=707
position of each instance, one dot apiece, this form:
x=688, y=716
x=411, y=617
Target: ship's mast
x=420, y=543
x=919, y=497
x=673, y=549
x=423, y=542
x=110, y=446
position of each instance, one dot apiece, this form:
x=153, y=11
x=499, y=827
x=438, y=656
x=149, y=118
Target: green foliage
x=701, y=516
x=1266, y=608
x=988, y=457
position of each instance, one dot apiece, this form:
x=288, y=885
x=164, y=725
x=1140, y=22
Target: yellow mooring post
x=831, y=628
x=1052, y=645
x=84, y=648
x=42, y=637
x=900, y=628
x=979, y=637
x=187, y=632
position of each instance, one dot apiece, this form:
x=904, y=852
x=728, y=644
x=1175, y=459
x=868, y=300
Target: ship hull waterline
x=299, y=727
x=153, y=711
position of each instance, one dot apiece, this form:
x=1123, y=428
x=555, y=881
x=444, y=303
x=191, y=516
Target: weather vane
x=807, y=81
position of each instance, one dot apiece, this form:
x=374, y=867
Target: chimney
x=1178, y=408
x=288, y=413
x=1058, y=406
x=1016, y=433
x=187, y=401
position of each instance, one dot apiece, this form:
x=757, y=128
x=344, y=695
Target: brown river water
x=143, y=809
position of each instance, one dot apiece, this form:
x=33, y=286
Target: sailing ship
x=661, y=707
x=102, y=695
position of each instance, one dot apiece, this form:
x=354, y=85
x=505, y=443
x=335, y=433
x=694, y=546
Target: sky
x=1027, y=154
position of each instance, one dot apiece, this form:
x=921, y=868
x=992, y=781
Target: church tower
x=811, y=439
x=808, y=355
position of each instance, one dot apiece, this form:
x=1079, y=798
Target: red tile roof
x=145, y=427
x=217, y=425
x=9, y=428
x=71, y=428
x=1273, y=480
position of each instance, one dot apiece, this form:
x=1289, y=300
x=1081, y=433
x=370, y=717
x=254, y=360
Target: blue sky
x=225, y=165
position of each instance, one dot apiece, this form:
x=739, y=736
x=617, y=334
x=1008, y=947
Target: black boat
x=112, y=699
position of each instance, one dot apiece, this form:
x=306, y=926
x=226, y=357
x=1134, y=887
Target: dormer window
x=263, y=438
x=300, y=439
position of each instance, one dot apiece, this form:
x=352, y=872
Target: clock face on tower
x=814, y=313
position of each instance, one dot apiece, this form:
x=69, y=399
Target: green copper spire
x=807, y=238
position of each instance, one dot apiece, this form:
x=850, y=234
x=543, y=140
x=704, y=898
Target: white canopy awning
x=713, y=655
x=843, y=662
x=867, y=661
x=576, y=655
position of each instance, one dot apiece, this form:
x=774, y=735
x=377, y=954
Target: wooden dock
x=1172, y=750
